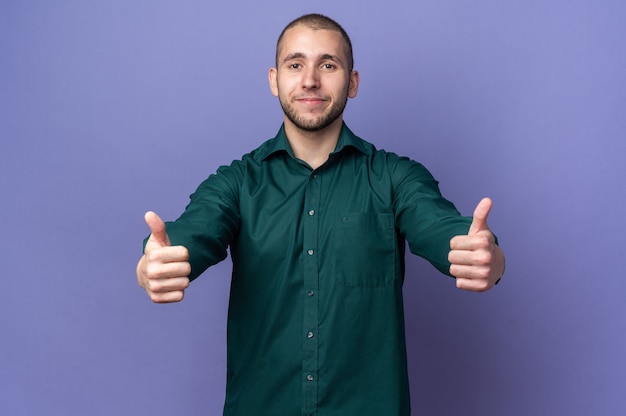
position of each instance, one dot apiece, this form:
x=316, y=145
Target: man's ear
x=272, y=77
x=353, y=88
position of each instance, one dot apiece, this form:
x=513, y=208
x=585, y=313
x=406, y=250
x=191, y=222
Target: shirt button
x=310, y=252
x=310, y=293
x=309, y=334
x=309, y=377
x=312, y=212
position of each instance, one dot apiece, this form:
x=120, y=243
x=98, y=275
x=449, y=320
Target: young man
x=316, y=220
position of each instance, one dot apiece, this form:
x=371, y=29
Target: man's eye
x=328, y=66
x=294, y=66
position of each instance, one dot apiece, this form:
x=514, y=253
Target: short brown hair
x=317, y=21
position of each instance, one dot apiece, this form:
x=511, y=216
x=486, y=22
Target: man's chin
x=312, y=125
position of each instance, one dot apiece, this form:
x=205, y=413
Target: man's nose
x=310, y=78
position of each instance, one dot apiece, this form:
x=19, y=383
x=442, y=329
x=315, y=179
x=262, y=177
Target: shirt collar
x=346, y=139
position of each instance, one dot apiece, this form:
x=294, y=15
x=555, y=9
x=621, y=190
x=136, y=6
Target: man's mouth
x=310, y=100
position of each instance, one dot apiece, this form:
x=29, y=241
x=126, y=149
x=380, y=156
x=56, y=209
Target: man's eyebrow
x=322, y=57
x=295, y=55
x=329, y=57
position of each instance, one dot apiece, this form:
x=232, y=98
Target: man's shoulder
x=369, y=148
x=254, y=156
x=269, y=147
x=398, y=166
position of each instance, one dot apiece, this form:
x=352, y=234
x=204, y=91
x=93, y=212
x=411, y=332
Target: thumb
x=479, y=222
x=157, y=227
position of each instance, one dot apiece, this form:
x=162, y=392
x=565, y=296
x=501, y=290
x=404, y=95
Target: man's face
x=312, y=79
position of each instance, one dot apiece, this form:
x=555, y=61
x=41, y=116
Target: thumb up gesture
x=476, y=260
x=163, y=270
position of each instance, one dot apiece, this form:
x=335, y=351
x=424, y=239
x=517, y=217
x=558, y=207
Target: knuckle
x=482, y=288
x=153, y=272
x=483, y=275
x=160, y=299
x=484, y=258
x=455, y=241
x=154, y=286
x=178, y=296
x=155, y=297
x=168, y=297
x=186, y=269
x=152, y=256
x=453, y=270
x=481, y=242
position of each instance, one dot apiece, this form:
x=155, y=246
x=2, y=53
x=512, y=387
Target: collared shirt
x=316, y=321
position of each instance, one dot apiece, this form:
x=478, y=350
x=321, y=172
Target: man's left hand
x=476, y=260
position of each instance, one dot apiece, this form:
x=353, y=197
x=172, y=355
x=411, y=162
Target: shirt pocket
x=365, y=251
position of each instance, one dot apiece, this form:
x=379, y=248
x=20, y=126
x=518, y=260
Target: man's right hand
x=163, y=271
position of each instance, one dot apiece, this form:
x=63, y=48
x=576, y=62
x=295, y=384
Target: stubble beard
x=317, y=123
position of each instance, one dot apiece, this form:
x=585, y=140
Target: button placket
x=310, y=323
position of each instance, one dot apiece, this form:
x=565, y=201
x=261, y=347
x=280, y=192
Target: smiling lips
x=313, y=101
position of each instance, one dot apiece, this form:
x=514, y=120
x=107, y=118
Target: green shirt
x=316, y=320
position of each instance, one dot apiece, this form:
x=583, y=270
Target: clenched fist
x=163, y=270
x=476, y=260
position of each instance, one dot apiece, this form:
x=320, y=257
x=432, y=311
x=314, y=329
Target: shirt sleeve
x=424, y=217
x=211, y=219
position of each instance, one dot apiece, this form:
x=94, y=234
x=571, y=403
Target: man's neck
x=313, y=147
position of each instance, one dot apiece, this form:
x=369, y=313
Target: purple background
x=108, y=109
